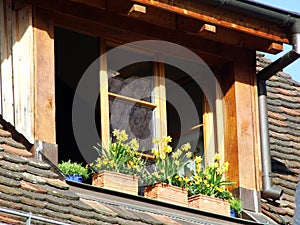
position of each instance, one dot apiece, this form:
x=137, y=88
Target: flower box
x=167, y=193
x=210, y=204
x=116, y=181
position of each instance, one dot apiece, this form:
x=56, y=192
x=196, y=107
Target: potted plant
x=73, y=171
x=119, y=165
x=208, y=187
x=163, y=180
x=236, y=207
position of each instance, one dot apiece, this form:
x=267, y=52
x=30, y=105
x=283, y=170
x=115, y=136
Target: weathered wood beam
x=44, y=109
x=213, y=20
x=153, y=28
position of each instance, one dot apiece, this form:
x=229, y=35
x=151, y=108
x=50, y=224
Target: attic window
x=138, y=103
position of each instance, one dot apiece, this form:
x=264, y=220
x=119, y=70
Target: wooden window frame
x=159, y=106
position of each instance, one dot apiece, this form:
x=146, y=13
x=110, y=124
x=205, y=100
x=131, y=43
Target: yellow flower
x=219, y=171
x=214, y=165
x=155, y=174
x=111, y=163
x=186, y=147
x=198, y=159
x=167, y=139
x=226, y=166
x=135, y=167
x=198, y=168
x=134, y=144
x=219, y=189
x=175, y=155
x=167, y=149
x=186, y=179
x=116, y=132
x=123, y=136
x=163, y=156
x=176, y=162
x=208, y=176
x=217, y=157
x=155, y=152
x=188, y=154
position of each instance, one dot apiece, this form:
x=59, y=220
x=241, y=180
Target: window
x=135, y=98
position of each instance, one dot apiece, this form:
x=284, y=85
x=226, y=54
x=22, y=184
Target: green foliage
x=167, y=163
x=210, y=181
x=71, y=168
x=237, y=205
x=119, y=156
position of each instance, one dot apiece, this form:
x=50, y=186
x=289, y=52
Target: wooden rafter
x=213, y=20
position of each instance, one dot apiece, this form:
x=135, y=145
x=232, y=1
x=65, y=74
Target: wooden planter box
x=116, y=181
x=167, y=193
x=210, y=204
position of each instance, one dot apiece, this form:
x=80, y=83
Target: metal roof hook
x=28, y=221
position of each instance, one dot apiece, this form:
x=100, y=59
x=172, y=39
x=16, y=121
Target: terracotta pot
x=167, y=193
x=116, y=181
x=210, y=204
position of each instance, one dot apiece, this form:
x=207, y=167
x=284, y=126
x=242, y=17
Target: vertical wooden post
x=44, y=123
x=160, y=97
x=241, y=133
x=208, y=132
x=104, y=101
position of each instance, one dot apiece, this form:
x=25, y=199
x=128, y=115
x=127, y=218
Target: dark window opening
x=74, y=52
x=192, y=133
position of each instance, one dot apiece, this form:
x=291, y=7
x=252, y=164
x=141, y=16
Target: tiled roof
x=29, y=186
x=284, y=126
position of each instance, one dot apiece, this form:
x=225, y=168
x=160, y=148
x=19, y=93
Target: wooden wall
x=17, y=67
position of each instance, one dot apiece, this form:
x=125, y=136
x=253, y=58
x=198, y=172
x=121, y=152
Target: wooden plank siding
x=17, y=67
x=23, y=73
x=7, y=104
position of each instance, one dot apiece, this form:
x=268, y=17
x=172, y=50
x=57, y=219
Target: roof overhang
x=238, y=23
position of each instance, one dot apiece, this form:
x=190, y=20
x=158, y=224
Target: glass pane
x=185, y=89
x=135, y=119
x=133, y=81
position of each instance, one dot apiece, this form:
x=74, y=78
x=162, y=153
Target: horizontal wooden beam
x=71, y=15
x=213, y=20
x=133, y=100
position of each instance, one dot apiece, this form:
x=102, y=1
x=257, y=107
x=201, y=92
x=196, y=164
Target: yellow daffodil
x=167, y=139
x=188, y=154
x=123, y=136
x=167, y=149
x=198, y=159
x=219, y=171
x=134, y=144
x=217, y=157
x=186, y=147
x=226, y=166
x=186, y=179
x=155, y=152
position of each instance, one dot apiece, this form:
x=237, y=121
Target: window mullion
x=159, y=93
x=104, y=102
